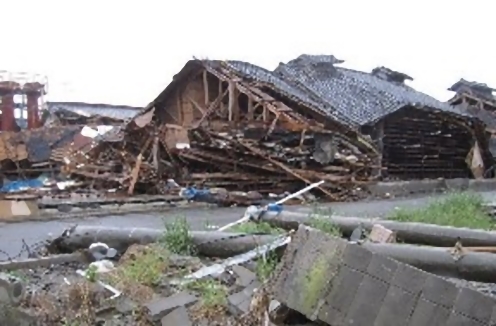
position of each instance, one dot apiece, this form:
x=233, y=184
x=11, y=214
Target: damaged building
x=417, y=135
x=81, y=113
x=478, y=100
x=238, y=126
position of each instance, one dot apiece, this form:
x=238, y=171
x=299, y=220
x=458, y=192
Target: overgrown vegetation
x=146, y=267
x=324, y=224
x=266, y=266
x=213, y=295
x=253, y=228
x=459, y=209
x=177, y=237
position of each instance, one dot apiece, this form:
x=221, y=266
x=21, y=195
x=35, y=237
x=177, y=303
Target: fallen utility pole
x=468, y=265
x=409, y=232
x=208, y=243
x=32, y=263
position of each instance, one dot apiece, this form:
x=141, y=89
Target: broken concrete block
x=310, y=261
x=160, y=307
x=12, y=289
x=380, y=234
x=333, y=281
x=239, y=302
x=178, y=316
x=244, y=276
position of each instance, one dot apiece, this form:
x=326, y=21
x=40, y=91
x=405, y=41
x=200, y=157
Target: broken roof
x=121, y=112
x=363, y=97
x=476, y=89
x=354, y=98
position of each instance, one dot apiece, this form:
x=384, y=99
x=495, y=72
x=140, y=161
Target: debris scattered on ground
x=287, y=269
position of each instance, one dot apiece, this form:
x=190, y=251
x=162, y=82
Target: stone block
x=178, y=316
x=367, y=302
x=409, y=278
x=240, y=302
x=440, y=291
x=356, y=257
x=244, y=276
x=396, y=308
x=160, y=307
x=475, y=305
x=460, y=320
x=382, y=268
x=343, y=291
x=428, y=313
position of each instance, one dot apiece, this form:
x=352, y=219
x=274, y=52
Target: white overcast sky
x=126, y=52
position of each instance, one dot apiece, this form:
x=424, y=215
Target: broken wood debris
x=245, y=139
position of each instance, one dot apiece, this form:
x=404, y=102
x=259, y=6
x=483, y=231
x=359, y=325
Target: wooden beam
x=196, y=105
x=213, y=106
x=205, y=87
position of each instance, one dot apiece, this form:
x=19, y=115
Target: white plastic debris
x=217, y=269
x=103, y=266
x=101, y=250
x=110, y=288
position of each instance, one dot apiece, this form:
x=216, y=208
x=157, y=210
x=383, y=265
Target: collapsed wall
x=340, y=283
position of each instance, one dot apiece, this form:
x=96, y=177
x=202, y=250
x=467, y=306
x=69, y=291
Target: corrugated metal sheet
x=36, y=145
x=121, y=112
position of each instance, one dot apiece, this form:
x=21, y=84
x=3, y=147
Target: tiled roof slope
x=286, y=87
x=353, y=97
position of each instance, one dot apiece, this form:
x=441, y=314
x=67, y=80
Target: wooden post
x=205, y=87
x=220, y=93
x=251, y=108
x=232, y=101
x=378, y=136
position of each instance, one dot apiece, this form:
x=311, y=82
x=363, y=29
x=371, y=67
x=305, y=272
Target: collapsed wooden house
x=417, y=135
x=235, y=125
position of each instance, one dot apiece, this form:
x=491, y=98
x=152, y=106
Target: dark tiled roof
x=480, y=90
x=289, y=88
x=362, y=97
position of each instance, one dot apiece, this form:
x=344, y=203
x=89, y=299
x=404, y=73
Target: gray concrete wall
x=338, y=283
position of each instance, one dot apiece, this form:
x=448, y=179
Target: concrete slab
x=178, y=316
x=160, y=307
x=244, y=276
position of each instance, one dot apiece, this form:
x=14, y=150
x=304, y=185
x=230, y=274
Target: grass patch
x=324, y=224
x=460, y=209
x=266, y=265
x=252, y=227
x=145, y=267
x=177, y=237
x=213, y=295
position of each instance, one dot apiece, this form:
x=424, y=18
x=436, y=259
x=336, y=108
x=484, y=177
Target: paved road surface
x=32, y=232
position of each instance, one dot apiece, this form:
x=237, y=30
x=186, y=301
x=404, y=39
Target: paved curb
x=406, y=188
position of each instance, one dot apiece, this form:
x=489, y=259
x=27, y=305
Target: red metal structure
x=31, y=88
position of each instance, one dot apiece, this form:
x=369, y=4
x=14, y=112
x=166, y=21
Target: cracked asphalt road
x=11, y=235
